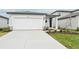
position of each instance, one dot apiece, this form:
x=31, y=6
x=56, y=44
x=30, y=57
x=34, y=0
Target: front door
x=50, y=22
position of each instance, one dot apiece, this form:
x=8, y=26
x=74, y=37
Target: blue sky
x=3, y=11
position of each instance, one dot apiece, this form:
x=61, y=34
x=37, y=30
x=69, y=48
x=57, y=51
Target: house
x=39, y=21
x=4, y=21
x=28, y=20
x=70, y=21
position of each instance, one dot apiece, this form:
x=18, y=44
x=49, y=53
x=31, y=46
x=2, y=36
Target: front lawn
x=68, y=40
x=2, y=33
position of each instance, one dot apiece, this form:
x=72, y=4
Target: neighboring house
x=28, y=20
x=70, y=21
x=4, y=22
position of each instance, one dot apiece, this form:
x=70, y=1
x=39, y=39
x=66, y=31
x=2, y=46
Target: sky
x=3, y=11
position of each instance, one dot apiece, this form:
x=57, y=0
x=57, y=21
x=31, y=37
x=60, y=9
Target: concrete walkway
x=29, y=40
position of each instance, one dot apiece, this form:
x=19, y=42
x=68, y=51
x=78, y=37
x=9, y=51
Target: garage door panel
x=27, y=24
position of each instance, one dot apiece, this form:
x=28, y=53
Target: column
x=56, y=25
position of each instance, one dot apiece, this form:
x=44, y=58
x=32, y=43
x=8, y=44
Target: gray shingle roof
x=35, y=13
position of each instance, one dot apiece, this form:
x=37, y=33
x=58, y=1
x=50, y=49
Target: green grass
x=2, y=33
x=69, y=40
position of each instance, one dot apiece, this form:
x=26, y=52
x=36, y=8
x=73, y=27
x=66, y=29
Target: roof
x=34, y=13
x=68, y=16
x=4, y=17
x=52, y=16
x=61, y=11
x=27, y=12
x=75, y=10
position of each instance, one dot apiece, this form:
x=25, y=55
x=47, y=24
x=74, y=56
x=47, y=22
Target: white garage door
x=22, y=24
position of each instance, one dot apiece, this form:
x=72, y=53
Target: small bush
x=64, y=28
x=0, y=29
x=45, y=28
x=77, y=28
x=59, y=27
x=53, y=26
x=6, y=29
x=61, y=30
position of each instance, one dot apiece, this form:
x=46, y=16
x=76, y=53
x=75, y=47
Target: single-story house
x=35, y=20
x=4, y=21
x=28, y=20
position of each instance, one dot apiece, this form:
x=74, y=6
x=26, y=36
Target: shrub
x=61, y=30
x=53, y=26
x=6, y=29
x=45, y=28
x=77, y=28
x=0, y=29
x=59, y=27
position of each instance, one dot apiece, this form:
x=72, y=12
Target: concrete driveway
x=29, y=40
